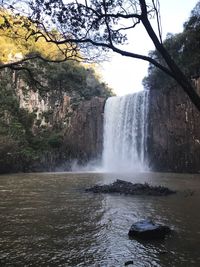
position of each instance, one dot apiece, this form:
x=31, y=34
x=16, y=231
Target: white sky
x=124, y=74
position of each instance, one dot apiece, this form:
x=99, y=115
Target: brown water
x=48, y=220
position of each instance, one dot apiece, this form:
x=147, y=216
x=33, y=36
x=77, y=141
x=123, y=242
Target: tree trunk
x=177, y=74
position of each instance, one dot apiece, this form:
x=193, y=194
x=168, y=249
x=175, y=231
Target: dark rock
x=148, y=230
x=173, y=131
x=124, y=187
x=128, y=263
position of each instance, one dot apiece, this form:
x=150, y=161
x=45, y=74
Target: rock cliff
x=68, y=127
x=47, y=127
x=173, y=132
x=85, y=132
x=82, y=132
x=79, y=122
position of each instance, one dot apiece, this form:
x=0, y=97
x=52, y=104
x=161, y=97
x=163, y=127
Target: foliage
x=184, y=49
x=94, y=25
x=106, y=23
x=15, y=127
x=20, y=146
x=88, y=27
x=20, y=38
x=73, y=78
x=55, y=140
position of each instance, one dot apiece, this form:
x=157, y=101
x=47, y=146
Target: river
x=49, y=220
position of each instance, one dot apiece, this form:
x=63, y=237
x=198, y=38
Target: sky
x=124, y=75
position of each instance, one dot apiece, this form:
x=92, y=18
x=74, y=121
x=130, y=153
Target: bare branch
x=158, y=19
x=130, y=27
x=31, y=76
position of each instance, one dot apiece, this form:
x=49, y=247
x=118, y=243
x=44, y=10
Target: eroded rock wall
x=85, y=132
x=78, y=121
x=82, y=137
x=173, y=132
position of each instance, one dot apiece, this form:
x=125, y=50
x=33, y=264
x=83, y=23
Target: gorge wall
x=173, y=139
x=84, y=134
x=50, y=126
x=173, y=131
x=68, y=127
x=80, y=123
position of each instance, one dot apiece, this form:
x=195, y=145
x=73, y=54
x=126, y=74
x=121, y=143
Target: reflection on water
x=48, y=220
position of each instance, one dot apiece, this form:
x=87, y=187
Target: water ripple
x=48, y=220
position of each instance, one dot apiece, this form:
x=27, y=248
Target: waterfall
x=125, y=133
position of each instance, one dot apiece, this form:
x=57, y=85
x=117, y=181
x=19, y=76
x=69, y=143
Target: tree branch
x=158, y=18
x=96, y=27
x=177, y=73
x=36, y=82
x=142, y=57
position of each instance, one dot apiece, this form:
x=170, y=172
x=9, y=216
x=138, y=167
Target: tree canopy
x=20, y=41
x=33, y=69
x=101, y=24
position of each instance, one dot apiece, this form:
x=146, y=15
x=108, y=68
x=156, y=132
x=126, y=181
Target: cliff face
x=82, y=138
x=50, y=109
x=80, y=124
x=174, y=132
x=67, y=127
x=85, y=131
x=46, y=129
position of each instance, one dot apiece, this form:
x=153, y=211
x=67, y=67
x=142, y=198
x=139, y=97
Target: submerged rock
x=124, y=187
x=148, y=230
x=128, y=263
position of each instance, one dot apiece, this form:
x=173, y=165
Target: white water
x=125, y=133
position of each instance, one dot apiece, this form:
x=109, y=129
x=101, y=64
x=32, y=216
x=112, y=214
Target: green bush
x=55, y=140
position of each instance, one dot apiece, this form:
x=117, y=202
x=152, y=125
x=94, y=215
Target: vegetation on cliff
x=29, y=133
x=184, y=49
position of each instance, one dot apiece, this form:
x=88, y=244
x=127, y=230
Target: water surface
x=49, y=220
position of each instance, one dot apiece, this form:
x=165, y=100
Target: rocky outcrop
x=128, y=188
x=173, y=132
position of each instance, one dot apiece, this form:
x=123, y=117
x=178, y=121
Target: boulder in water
x=148, y=230
x=128, y=263
x=124, y=187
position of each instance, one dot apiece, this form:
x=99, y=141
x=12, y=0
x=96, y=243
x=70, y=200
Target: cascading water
x=125, y=133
